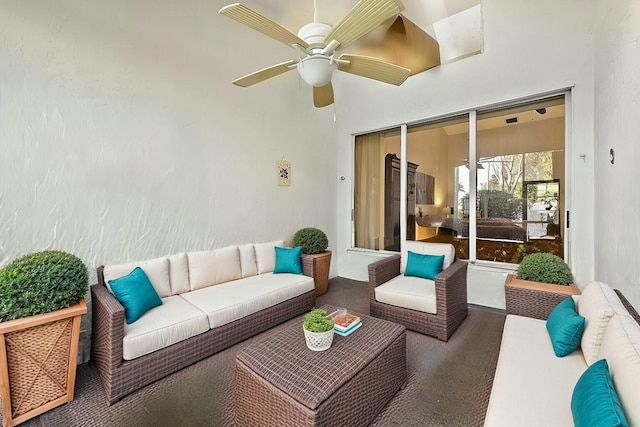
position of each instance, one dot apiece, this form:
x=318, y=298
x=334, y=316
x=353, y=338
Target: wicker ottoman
x=280, y=382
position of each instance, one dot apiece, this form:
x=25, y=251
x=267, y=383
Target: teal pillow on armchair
x=425, y=266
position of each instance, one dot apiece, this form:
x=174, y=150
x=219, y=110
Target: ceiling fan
x=317, y=43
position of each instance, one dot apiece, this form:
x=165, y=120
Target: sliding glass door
x=490, y=182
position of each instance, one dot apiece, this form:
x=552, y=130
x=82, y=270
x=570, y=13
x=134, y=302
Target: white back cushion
x=208, y=268
x=157, y=270
x=621, y=348
x=248, y=260
x=179, y=273
x=597, y=304
x=266, y=255
x=425, y=248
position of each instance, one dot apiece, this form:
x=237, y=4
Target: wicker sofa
x=211, y=300
x=534, y=387
x=432, y=307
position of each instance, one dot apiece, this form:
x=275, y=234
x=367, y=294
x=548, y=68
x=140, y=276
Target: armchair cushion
x=415, y=293
x=425, y=248
x=425, y=266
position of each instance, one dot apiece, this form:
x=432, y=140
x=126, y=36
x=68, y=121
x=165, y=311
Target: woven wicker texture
x=451, y=299
x=281, y=382
x=444, y=386
x=38, y=364
x=121, y=377
x=531, y=302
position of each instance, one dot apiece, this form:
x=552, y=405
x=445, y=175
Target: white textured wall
x=529, y=48
x=122, y=138
x=617, y=109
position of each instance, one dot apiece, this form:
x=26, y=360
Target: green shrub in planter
x=312, y=240
x=545, y=268
x=317, y=320
x=41, y=282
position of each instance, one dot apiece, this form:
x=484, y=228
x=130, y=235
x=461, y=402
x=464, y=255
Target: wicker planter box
x=534, y=299
x=321, y=263
x=38, y=357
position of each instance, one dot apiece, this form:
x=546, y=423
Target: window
x=518, y=187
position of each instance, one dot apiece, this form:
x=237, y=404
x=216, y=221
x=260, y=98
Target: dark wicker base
x=357, y=402
x=121, y=377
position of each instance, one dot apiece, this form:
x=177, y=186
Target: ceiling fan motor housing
x=316, y=69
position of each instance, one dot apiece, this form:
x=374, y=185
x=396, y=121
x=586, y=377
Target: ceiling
x=455, y=24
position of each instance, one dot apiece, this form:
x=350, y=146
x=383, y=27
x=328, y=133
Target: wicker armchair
x=451, y=298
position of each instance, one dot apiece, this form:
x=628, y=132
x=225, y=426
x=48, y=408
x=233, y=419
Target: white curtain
x=368, y=209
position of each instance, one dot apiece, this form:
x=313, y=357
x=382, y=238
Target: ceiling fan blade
x=374, y=68
x=362, y=19
x=323, y=95
x=261, y=23
x=264, y=74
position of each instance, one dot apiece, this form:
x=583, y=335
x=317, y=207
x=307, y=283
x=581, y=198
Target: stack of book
x=344, y=324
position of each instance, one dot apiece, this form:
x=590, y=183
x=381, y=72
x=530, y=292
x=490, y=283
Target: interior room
x=123, y=139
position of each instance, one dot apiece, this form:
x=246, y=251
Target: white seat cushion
x=411, y=292
x=425, y=248
x=230, y=301
x=157, y=270
x=174, y=321
x=532, y=387
x=621, y=347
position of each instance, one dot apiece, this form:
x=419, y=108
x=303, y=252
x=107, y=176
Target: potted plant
x=41, y=305
x=318, y=330
x=314, y=244
x=542, y=281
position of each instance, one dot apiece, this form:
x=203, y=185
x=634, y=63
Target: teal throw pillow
x=288, y=260
x=594, y=402
x=421, y=265
x=136, y=294
x=565, y=327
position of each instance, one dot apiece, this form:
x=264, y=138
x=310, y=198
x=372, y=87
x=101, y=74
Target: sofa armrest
x=108, y=329
x=307, y=265
x=451, y=287
x=382, y=271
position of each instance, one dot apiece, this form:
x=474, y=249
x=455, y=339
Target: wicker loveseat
x=534, y=387
x=211, y=300
x=435, y=307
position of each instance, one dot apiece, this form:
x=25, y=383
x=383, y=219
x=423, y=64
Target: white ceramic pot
x=318, y=341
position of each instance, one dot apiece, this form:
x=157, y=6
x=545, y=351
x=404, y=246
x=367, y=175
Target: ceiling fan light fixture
x=316, y=70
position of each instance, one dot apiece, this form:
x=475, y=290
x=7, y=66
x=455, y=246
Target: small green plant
x=318, y=320
x=546, y=268
x=312, y=240
x=41, y=282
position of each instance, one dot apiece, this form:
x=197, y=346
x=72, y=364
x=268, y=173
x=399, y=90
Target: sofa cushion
x=174, y=321
x=621, y=348
x=597, y=304
x=179, y=273
x=425, y=266
x=266, y=255
x=248, y=260
x=532, y=387
x=157, y=270
x=565, y=327
x=418, y=247
x=234, y=300
x=411, y=292
x=594, y=402
x=288, y=260
x=208, y=268
x=136, y=294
